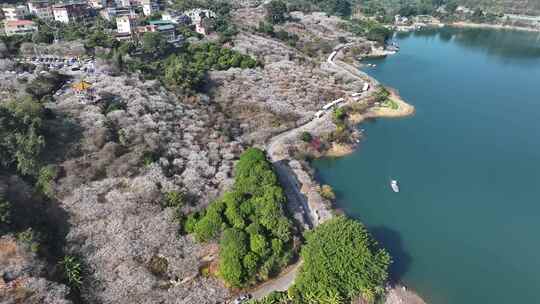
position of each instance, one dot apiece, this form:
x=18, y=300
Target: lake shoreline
x=463, y=24
x=404, y=110
x=302, y=188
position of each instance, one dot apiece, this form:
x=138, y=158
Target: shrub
x=208, y=227
x=148, y=158
x=276, y=12
x=266, y=28
x=232, y=251
x=46, y=177
x=72, y=270
x=338, y=115
x=306, y=136
x=173, y=199
x=158, y=265
x=21, y=134
x=191, y=221
x=327, y=192
x=5, y=212
x=30, y=238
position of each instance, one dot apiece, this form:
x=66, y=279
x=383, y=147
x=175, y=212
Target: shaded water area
x=464, y=228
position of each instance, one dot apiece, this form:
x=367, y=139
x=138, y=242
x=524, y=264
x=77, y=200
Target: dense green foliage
x=5, y=213
x=381, y=95
x=371, y=29
x=72, y=270
x=341, y=261
x=186, y=70
x=46, y=176
x=250, y=219
x=306, y=136
x=154, y=45
x=276, y=12
x=21, y=139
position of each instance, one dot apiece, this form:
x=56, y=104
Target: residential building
x=97, y=3
x=19, y=27
x=45, y=13
x=70, y=12
x=150, y=7
x=125, y=24
x=124, y=3
x=197, y=14
x=176, y=17
x=165, y=28
x=41, y=9
x=126, y=11
x=108, y=13
x=14, y=12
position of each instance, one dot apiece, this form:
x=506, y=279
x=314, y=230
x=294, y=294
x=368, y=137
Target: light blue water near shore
x=465, y=227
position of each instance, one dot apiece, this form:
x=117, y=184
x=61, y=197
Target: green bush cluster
x=72, y=270
x=21, y=135
x=306, y=137
x=255, y=235
x=369, y=28
x=381, y=95
x=5, y=214
x=268, y=29
x=186, y=70
x=341, y=261
x=46, y=177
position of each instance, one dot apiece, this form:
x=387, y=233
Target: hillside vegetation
x=255, y=235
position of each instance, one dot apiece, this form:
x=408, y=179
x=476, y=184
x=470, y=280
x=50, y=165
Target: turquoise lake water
x=465, y=227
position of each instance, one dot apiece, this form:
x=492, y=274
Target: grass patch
x=390, y=103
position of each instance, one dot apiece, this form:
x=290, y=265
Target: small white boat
x=394, y=185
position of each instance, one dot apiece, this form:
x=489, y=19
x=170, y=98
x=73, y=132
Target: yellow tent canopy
x=82, y=86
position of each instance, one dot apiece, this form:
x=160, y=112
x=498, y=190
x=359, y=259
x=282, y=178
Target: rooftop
x=9, y=23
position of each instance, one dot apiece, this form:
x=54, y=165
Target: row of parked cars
x=57, y=63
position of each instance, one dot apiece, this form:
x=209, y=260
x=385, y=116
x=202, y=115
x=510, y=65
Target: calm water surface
x=465, y=227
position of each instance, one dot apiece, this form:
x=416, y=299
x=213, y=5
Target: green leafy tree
x=209, y=226
x=45, y=181
x=276, y=12
x=341, y=261
x=155, y=45
x=266, y=28
x=306, y=136
x=20, y=131
x=5, y=213
x=191, y=222
x=232, y=251
x=174, y=199
x=258, y=244
x=72, y=269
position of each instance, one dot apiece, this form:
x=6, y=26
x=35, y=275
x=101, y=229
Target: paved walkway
x=281, y=283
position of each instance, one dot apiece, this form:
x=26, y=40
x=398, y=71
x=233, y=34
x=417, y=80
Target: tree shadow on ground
x=391, y=240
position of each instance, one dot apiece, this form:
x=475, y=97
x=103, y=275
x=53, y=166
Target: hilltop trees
x=255, y=235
